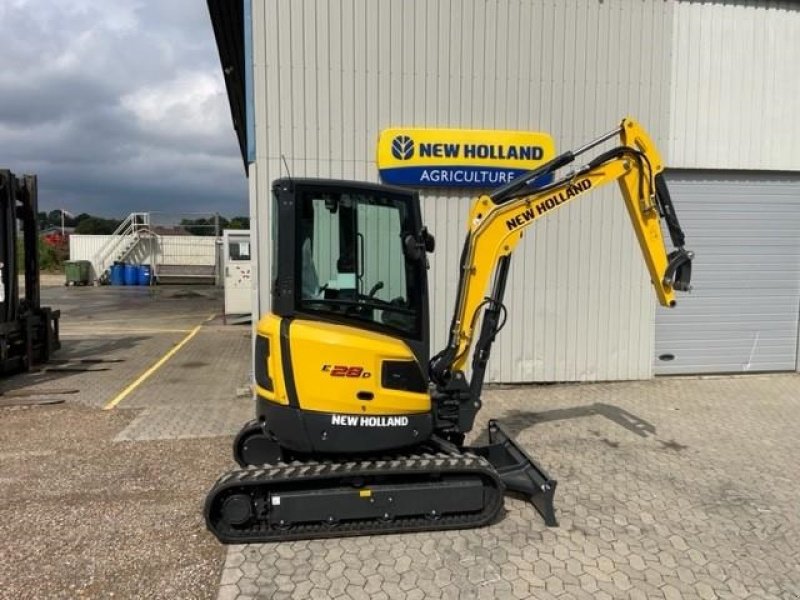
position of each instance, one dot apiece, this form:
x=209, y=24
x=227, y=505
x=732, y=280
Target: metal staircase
x=124, y=240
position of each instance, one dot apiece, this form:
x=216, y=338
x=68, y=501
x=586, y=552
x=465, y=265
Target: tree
x=54, y=218
x=201, y=226
x=208, y=227
x=239, y=223
x=96, y=226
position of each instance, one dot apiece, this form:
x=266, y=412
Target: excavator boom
x=498, y=221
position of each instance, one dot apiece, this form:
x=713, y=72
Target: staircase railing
x=121, y=242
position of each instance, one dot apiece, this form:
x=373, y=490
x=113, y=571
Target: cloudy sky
x=118, y=106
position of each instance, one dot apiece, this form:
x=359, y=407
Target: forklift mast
x=28, y=332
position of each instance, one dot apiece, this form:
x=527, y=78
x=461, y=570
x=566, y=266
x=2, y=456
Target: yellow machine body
x=337, y=369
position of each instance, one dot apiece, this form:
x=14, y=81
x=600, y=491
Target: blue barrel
x=117, y=274
x=131, y=274
x=144, y=275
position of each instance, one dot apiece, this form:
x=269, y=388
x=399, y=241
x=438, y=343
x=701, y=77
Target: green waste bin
x=78, y=272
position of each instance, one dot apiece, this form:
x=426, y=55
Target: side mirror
x=331, y=203
x=412, y=248
x=415, y=248
x=430, y=242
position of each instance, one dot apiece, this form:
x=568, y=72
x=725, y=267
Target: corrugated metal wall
x=735, y=86
x=328, y=76
x=742, y=315
x=168, y=250
x=735, y=81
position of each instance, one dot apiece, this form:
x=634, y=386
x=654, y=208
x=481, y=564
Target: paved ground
x=201, y=392
x=127, y=329
x=667, y=489
x=679, y=488
x=84, y=517
x=86, y=508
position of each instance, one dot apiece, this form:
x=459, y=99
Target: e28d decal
x=346, y=371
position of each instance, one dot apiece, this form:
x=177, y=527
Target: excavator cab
x=348, y=330
x=355, y=255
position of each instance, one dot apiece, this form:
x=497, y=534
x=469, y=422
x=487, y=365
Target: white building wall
x=181, y=250
x=329, y=76
x=186, y=250
x=735, y=84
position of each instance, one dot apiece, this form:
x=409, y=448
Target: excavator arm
x=498, y=221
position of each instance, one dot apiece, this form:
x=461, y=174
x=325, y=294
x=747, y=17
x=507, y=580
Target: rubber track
x=259, y=481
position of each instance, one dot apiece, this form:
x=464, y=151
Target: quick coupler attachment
x=519, y=471
x=679, y=270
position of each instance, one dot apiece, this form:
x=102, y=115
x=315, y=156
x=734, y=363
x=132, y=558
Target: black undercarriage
x=283, y=495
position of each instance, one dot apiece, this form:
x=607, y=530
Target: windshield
x=352, y=265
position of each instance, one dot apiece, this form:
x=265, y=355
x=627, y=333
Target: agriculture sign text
x=459, y=157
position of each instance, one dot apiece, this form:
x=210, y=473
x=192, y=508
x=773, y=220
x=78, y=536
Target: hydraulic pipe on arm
x=498, y=220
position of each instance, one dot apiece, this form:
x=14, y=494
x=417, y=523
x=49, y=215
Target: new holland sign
x=459, y=157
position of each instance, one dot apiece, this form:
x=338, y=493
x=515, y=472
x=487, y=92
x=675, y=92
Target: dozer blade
x=519, y=471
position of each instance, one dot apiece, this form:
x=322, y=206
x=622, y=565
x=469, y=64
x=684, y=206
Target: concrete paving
x=674, y=488
x=108, y=503
x=82, y=516
x=120, y=331
x=202, y=392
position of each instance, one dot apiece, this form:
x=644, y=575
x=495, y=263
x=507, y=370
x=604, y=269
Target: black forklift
x=28, y=331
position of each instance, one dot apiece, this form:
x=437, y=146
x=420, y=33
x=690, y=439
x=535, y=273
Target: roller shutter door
x=743, y=312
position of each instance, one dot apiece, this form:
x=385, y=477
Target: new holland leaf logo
x=402, y=147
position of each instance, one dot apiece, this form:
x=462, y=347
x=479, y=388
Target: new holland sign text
x=459, y=157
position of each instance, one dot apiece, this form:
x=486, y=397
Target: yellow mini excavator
x=360, y=431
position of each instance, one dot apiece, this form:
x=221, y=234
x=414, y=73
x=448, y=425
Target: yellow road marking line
x=101, y=331
x=116, y=322
x=143, y=377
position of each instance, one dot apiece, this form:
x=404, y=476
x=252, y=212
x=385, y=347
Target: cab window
x=352, y=265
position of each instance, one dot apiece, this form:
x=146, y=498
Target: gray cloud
x=117, y=106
